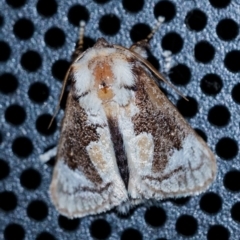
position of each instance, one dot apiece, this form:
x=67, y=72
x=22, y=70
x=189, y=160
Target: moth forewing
x=122, y=141
x=85, y=179
x=179, y=163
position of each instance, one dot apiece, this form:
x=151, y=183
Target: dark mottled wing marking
x=164, y=123
x=119, y=150
x=76, y=136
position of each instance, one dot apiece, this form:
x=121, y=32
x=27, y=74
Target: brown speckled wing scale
x=82, y=182
x=166, y=157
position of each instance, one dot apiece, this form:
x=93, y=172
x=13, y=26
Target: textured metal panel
x=204, y=38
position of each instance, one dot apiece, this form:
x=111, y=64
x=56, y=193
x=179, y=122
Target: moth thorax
x=103, y=80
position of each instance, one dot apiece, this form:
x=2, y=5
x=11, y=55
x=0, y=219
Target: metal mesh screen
x=37, y=39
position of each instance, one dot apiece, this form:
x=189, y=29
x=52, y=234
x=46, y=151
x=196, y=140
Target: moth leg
x=79, y=48
x=168, y=61
x=45, y=157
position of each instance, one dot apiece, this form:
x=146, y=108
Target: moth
x=122, y=141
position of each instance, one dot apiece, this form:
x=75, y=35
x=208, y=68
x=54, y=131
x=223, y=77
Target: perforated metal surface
x=37, y=39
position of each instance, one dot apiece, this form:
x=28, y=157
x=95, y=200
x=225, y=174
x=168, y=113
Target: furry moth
x=122, y=141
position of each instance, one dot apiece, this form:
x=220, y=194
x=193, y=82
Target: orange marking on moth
x=108, y=95
x=103, y=72
x=103, y=79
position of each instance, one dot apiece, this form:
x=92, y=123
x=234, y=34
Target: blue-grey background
x=21, y=197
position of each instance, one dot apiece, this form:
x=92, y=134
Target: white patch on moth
x=207, y=173
x=71, y=201
x=173, y=184
x=191, y=149
x=103, y=158
x=144, y=151
x=123, y=74
x=139, y=157
x=122, y=95
x=62, y=200
x=93, y=107
x=181, y=183
x=71, y=205
x=83, y=79
x=165, y=185
x=77, y=178
x=199, y=177
x=130, y=144
x=125, y=113
x=189, y=180
x=124, y=207
x=102, y=153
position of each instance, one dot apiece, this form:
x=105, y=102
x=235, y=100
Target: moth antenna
x=77, y=52
x=154, y=30
x=152, y=68
x=150, y=35
x=159, y=75
x=82, y=25
x=60, y=98
x=79, y=48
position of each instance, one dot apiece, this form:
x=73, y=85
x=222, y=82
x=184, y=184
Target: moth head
x=105, y=70
x=102, y=43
